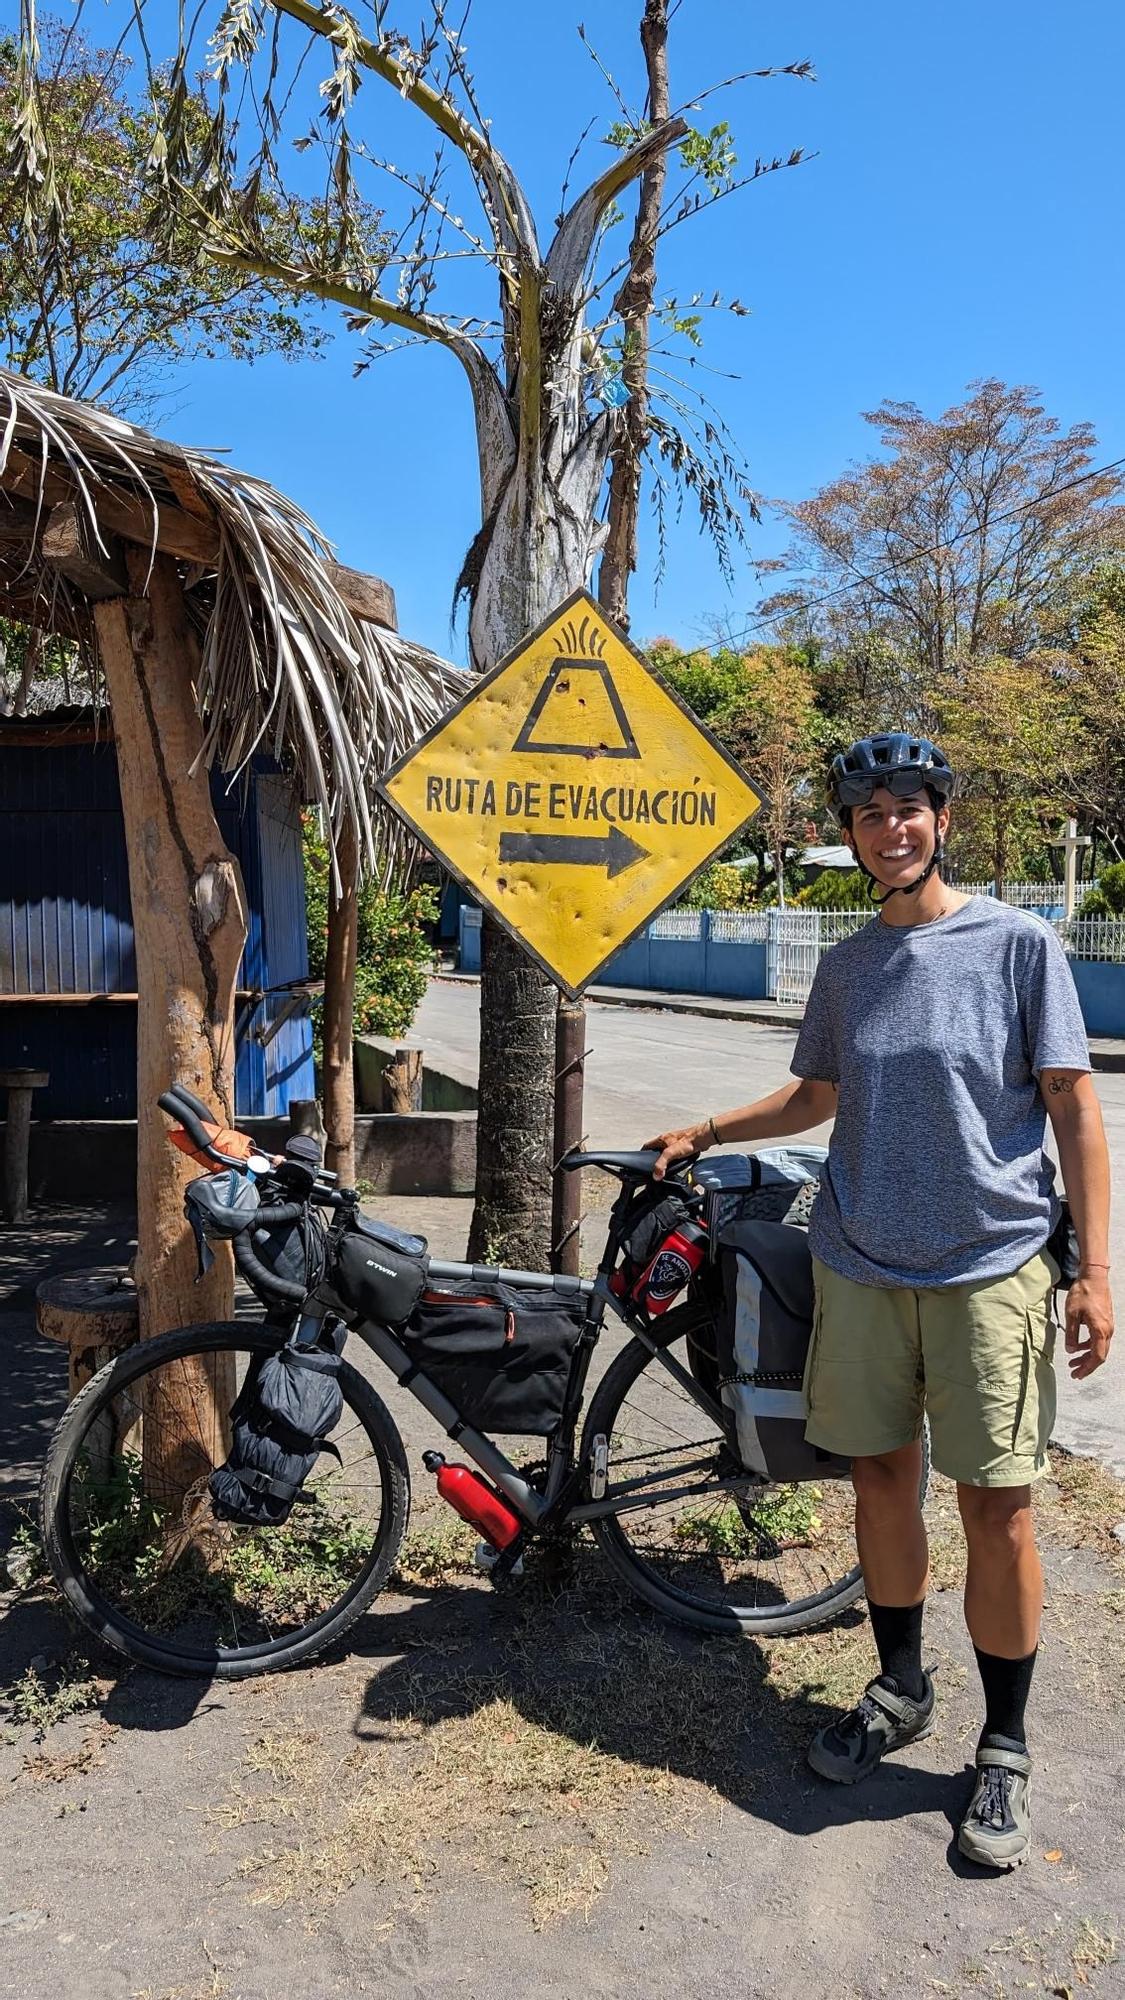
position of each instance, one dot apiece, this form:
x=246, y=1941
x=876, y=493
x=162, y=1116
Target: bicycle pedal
x=486, y=1558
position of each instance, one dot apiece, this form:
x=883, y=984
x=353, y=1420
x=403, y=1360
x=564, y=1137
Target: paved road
x=647, y=1071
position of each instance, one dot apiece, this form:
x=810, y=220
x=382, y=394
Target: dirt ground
x=552, y=1791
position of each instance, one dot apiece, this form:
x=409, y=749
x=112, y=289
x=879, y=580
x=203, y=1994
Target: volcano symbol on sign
x=569, y=697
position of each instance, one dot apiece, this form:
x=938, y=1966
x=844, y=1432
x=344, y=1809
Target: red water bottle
x=674, y=1265
x=475, y=1501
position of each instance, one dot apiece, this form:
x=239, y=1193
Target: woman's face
x=895, y=838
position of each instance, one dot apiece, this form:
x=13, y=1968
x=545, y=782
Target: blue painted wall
x=66, y=927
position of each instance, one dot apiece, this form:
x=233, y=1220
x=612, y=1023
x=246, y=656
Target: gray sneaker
x=881, y=1720
x=996, y=1830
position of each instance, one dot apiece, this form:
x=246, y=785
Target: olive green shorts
x=978, y=1360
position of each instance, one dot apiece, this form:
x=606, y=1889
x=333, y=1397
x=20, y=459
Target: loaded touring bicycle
x=230, y=1498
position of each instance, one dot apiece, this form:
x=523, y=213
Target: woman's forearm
x=796, y=1107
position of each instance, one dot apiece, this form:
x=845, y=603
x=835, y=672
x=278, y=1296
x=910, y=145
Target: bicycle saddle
x=632, y=1166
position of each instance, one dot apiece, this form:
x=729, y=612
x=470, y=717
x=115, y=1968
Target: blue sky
x=962, y=218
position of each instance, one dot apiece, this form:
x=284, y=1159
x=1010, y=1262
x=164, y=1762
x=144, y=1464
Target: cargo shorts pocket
x=809, y=1378
x=1035, y=1416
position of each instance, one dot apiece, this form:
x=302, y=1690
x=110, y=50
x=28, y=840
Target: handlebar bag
x=500, y=1353
x=764, y=1329
x=377, y=1272
x=281, y=1419
x=218, y=1207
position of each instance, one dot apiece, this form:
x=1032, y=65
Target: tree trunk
x=189, y=923
x=511, y=1218
x=541, y=547
x=339, y=1008
x=634, y=304
x=779, y=870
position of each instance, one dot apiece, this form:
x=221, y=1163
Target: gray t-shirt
x=935, y=1035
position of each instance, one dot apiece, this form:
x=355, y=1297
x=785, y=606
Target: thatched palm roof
x=289, y=664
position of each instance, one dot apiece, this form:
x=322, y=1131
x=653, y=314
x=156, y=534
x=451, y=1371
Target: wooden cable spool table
x=19, y=1084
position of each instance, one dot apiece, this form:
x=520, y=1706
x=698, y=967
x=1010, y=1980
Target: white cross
x=1071, y=842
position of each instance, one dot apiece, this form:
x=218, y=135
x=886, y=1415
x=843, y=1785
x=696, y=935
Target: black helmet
x=904, y=764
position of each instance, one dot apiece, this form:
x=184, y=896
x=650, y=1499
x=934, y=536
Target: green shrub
x=1108, y=899
x=722, y=886
x=836, y=889
x=394, y=956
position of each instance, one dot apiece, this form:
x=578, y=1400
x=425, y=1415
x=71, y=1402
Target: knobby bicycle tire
x=627, y=1369
x=169, y=1655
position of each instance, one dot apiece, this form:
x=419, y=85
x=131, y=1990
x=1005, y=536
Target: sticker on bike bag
x=669, y=1275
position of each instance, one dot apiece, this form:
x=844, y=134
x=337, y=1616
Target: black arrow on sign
x=614, y=851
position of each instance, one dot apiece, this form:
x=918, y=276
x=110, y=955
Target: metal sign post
x=573, y=793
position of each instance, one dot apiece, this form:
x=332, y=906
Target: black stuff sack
x=764, y=1332
x=377, y=1272
x=499, y=1352
x=281, y=1420
x=219, y=1207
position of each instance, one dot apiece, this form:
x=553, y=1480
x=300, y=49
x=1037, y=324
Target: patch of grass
x=89, y=1756
x=439, y=1551
x=1089, y=1505
x=41, y=1698
x=1094, y=1947
x=784, y=1517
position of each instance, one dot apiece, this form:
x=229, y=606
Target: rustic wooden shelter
x=211, y=614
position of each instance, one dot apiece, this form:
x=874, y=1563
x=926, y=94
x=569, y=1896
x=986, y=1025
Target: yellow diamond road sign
x=572, y=793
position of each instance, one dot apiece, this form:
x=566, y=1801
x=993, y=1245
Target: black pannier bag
x=764, y=1328
x=281, y=1419
x=499, y=1352
x=377, y=1272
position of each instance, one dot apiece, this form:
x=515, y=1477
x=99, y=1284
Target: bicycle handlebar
x=184, y=1114
x=258, y=1274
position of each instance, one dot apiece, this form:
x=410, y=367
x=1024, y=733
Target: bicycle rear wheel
x=133, y=1544
x=733, y=1555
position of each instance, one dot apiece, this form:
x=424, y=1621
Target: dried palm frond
x=286, y=666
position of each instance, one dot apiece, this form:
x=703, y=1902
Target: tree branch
x=568, y=255
x=507, y=205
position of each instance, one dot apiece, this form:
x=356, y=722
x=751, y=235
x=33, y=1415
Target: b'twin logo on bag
x=373, y=1265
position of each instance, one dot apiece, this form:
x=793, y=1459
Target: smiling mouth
x=898, y=854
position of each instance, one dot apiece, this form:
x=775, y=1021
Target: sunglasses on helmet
x=901, y=784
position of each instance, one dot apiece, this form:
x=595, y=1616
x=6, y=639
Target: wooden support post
x=189, y=923
x=402, y=1081
x=339, y=1006
x=19, y=1083
x=566, y=1189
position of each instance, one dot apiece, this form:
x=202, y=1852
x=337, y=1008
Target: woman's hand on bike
x=676, y=1146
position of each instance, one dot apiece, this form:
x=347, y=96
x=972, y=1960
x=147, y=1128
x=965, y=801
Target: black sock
x=897, y=1629
x=1007, y=1684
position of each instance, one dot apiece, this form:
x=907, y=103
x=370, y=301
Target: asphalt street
x=648, y=1071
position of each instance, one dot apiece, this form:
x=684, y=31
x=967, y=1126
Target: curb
x=1106, y=1056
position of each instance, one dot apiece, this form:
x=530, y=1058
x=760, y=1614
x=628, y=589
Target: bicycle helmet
x=903, y=765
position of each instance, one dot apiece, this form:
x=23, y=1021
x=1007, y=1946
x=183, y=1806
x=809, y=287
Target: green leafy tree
x=99, y=298
x=1010, y=729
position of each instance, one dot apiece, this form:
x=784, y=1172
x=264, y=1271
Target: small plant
x=836, y=889
x=40, y=1698
x=24, y=1562
x=722, y=886
x=1108, y=899
x=437, y=1552
x=784, y=1516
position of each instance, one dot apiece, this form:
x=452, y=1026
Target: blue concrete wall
x=734, y=969
x=1101, y=993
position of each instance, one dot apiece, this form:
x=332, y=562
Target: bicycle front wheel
x=708, y=1545
x=135, y=1547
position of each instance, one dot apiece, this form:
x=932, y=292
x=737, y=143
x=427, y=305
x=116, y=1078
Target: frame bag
x=281, y=1418
x=377, y=1272
x=764, y=1328
x=500, y=1353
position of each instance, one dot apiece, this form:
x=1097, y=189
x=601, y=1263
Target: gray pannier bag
x=280, y=1422
x=767, y=1306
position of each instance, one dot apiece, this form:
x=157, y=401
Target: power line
x=891, y=568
